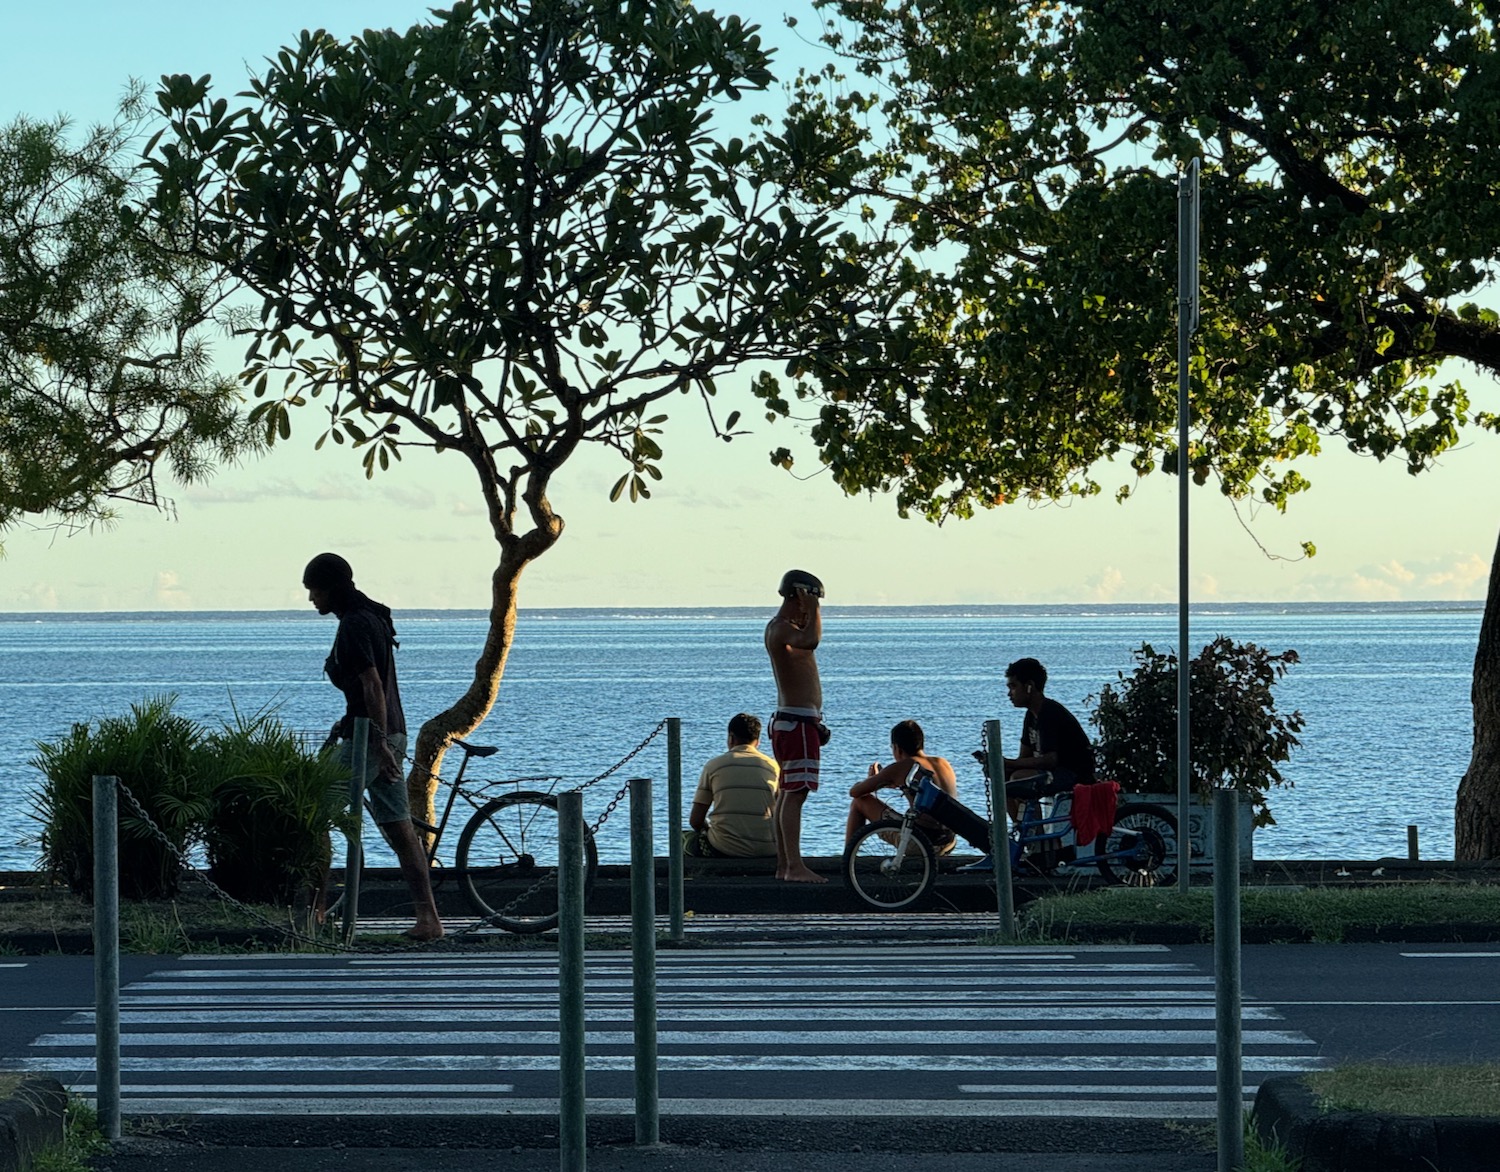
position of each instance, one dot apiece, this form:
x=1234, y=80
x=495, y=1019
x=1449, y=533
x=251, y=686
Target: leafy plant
x=273, y=805
x=155, y=754
x=1238, y=736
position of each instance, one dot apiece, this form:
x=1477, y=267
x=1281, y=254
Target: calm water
x=1384, y=689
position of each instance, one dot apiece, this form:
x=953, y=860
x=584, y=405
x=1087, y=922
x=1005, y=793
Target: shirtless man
x=908, y=748
x=797, y=731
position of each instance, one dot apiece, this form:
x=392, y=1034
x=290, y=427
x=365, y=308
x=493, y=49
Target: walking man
x=797, y=730
x=362, y=665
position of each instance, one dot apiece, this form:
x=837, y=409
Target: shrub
x=1238, y=736
x=155, y=754
x=273, y=804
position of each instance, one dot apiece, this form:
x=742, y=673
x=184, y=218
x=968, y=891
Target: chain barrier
x=318, y=941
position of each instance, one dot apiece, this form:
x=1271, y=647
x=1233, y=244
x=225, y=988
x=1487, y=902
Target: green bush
x=1238, y=736
x=273, y=806
x=156, y=754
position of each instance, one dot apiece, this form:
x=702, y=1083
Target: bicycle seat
x=477, y=750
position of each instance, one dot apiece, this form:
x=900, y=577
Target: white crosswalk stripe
x=806, y=1030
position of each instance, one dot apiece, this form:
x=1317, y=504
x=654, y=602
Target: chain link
x=292, y=934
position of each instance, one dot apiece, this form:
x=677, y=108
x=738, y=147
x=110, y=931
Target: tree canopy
x=105, y=372
x=503, y=233
x=1021, y=160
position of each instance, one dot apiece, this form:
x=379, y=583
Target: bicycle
x=507, y=854
x=891, y=864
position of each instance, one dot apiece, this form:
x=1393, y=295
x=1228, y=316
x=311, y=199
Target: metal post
x=1229, y=1049
x=354, y=856
x=674, y=839
x=572, y=1130
x=994, y=771
x=643, y=961
x=1411, y=844
x=107, y=956
x=1187, y=320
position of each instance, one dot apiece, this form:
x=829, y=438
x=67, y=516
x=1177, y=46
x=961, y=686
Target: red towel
x=1093, y=810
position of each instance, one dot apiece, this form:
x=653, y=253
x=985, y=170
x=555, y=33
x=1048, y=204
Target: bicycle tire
x=1143, y=841
x=507, y=860
x=872, y=874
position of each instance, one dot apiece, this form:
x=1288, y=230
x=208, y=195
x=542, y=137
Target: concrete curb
x=31, y=1120
x=1288, y=1114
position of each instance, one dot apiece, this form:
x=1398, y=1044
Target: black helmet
x=792, y=579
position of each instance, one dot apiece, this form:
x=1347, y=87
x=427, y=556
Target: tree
x=501, y=235
x=1021, y=161
x=105, y=374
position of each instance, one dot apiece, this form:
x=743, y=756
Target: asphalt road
x=772, y=1056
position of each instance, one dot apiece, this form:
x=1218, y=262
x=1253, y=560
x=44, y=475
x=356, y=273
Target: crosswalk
x=804, y=1030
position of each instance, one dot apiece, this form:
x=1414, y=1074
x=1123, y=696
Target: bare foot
x=424, y=933
x=801, y=874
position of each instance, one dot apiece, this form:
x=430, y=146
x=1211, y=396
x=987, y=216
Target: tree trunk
x=469, y=711
x=1476, y=814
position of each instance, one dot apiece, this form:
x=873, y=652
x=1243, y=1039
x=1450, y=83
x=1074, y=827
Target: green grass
x=1409, y=1090
x=1324, y=915
x=81, y=1139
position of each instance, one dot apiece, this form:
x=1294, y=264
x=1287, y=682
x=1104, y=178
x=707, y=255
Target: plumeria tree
x=1020, y=162
x=106, y=374
x=500, y=235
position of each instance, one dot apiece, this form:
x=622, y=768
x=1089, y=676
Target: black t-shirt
x=1060, y=733
x=365, y=639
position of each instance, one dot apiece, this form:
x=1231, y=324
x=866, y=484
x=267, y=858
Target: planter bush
x=273, y=805
x=156, y=753
x=1238, y=736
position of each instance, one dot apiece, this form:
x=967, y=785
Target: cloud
x=169, y=591
x=37, y=596
x=1396, y=572
x=1465, y=573
x=1105, y=586
x=278, y=488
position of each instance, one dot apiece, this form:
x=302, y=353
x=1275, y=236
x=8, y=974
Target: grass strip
x=1409, y=1090
x=1324, y=915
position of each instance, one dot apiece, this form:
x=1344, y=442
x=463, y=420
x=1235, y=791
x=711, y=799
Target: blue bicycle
x=891, y=865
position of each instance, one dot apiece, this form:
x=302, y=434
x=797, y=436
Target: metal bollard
x=354, y=858
x=572, y=1130
x=994, y=769
x=674, y=839
x=107, y=956
x=1411, y=844
x=643, y=962
x=1229, y=1049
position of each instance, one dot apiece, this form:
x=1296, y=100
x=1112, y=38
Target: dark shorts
x=387, y=796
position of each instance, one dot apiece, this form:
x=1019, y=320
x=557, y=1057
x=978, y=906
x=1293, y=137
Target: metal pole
x=674, y=840
x=572, y=1130
x=994, y=771
x=1411, y=844
x=1187, y=319
x=643, y=961
x=1229, y=1049
x=354, y=856
x=107, y=956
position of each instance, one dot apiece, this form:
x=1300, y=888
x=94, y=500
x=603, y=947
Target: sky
x=723, y=524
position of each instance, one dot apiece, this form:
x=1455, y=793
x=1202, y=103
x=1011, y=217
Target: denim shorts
x=387, y=797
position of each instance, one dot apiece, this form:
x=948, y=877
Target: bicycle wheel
x=507, y=861
x=882, y=880
x=1140, y=850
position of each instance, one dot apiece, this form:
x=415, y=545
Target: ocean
x=1384, y=689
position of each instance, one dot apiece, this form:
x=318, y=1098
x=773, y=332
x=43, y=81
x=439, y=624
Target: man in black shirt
x=362, y=665
x=1052, y=740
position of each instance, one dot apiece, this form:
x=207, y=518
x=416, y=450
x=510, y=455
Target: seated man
x=1052, y=740
x=731, y=812
x=907, y=749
